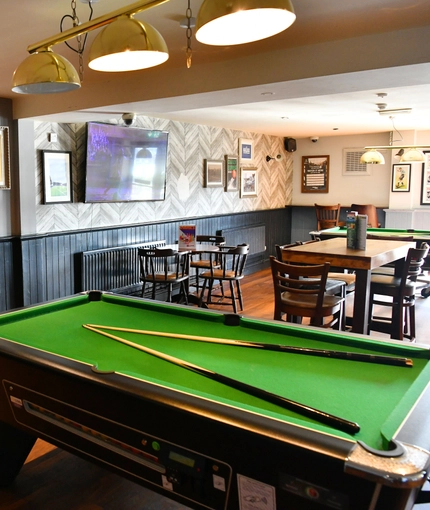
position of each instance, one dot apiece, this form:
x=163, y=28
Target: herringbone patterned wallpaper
x=189, y=145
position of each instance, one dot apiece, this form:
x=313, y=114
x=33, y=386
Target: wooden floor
x=53, y=479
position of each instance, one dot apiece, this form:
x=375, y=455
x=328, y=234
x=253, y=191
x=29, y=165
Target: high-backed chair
x=164, y=267
x=370, y=211
x=327, y=216
x=401, y=290
x=299, y=291
x=338, y=283
x=226, y=265
x=200, y=260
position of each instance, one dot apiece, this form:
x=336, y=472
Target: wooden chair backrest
x=327, y=216
x=370, y=211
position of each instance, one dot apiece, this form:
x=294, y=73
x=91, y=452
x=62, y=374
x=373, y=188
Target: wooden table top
x=377, y=253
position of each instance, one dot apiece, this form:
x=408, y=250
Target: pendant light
x=412, y=156
x=372, y=157
x=45, y=72
x=127, y=45
x=230, y=22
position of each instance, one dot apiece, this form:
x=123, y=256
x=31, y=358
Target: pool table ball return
x=273, y=416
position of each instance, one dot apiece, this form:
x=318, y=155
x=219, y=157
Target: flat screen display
x=125, y=164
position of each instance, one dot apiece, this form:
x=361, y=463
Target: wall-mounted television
x=125, y=164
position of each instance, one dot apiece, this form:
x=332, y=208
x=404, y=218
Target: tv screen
x=125, y=164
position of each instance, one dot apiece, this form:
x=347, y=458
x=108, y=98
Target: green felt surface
x=418, y=234
x=378, y=397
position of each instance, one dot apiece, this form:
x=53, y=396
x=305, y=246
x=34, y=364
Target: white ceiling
x=278, y=99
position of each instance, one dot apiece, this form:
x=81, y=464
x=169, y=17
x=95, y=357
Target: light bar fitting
x=126, y=44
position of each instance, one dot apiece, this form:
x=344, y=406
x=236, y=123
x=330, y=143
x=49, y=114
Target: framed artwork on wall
x=248, y=182
x=214, y=173
x=231, y=173
x=246, y=150
x=4, y=158
x=401, y=178
x=315, y=172
x=57, y=177
x=425, y=181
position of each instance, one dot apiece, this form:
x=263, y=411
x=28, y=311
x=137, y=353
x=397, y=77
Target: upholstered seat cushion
x=384, y=284
x=308, y=301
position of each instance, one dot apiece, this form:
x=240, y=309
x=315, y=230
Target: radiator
x=111, y=269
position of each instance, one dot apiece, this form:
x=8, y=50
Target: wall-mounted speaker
x=290, y=144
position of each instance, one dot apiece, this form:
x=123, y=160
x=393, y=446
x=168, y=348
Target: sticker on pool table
x=307, y=490
x=255, y=495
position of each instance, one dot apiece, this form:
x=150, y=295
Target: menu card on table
x=187, y=236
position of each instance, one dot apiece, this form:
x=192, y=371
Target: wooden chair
x=370, y=211
x=401, y=290
x=327, y=216
x=299, y=291
x=200, y=260
x=226, y=265
x=164, y=267
x=338, y=283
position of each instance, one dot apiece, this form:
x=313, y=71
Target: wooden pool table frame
x=107, y=417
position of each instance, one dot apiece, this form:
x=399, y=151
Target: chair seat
x=348, y=278
x=220, y=273
x=390, y=285
x=205, y=264
x=309, y=302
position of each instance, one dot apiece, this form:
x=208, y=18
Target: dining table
x=376, y=254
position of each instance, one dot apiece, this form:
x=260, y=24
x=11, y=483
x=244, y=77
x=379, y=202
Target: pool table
x=199, y=441
x=419, y=236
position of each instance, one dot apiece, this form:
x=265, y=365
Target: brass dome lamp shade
x=230, y=22
x=412, y=156
x=127, y=45
x=45, y=72
x=372, y=156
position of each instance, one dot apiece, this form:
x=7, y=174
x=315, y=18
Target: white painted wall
x=363, y=189
x=367, y=189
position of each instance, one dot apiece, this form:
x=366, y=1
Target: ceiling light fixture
x=46, y=72
x=230, y=22
x=372, y=157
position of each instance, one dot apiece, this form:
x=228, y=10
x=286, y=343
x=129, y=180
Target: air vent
x=351, y=162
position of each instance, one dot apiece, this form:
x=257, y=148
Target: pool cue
x=326, y=353
x=321, y=416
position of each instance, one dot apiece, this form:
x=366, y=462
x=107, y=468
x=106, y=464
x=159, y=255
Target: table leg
x=361, y=301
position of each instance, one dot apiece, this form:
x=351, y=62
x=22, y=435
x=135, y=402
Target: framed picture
x=246, y=150
x=57, y=177
x=401, y=180
x=315, y=171
x=231, y=173
x=248, y=182
x=4, y=158
x=214, y=173
x=425, y=181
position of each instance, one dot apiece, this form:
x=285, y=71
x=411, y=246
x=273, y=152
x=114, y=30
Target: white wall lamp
x=126, y=44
